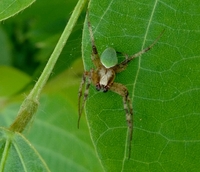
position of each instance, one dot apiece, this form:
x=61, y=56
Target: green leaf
x=9, y=8
x=163, y=84
x=17, y=154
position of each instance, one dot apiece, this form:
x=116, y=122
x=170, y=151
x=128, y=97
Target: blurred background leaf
x=54, y=131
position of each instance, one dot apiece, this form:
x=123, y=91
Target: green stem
x=58, y=49
x=30, y=104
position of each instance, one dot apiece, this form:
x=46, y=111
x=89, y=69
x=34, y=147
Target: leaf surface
x=163, y=84
x=9, y=8
x=17, y=154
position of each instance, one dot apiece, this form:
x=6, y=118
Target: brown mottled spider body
x=106, y=67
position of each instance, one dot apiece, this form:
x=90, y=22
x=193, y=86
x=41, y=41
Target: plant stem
x=30, y=104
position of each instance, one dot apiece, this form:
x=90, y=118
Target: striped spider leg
x=102, y=77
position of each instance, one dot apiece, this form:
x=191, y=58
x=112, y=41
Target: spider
x=106, y=67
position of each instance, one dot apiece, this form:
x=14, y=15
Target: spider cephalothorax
x=106, y=77
x=106, y=67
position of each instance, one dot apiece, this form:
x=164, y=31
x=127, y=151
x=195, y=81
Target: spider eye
x=98, y=87
x=105, y=89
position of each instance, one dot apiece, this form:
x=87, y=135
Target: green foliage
x=18, y=154
x=31, y=36
x=16, y=82
x=11, y=7
x=53, y=132
x=163, y=83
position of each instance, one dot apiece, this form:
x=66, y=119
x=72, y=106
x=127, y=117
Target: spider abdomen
x=109, y=57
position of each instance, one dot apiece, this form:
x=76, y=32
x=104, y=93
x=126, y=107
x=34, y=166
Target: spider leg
x=121, y=66
x=85, y=79
x=144, y=50
x=122, y=91
x=95, y=55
